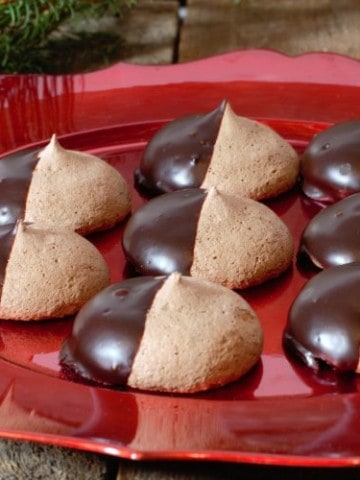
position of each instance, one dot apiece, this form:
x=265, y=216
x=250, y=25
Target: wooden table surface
x=155, y=35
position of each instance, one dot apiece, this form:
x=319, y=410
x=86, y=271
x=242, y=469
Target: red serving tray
x=280, y=413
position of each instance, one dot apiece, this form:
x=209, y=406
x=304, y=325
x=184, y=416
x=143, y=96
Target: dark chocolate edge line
x=70, y=366
x=8, y=238
x=147, y=189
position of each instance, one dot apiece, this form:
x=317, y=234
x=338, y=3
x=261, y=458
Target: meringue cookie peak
x=169, y=334
x=54, y=153
x=50, y=273
x=250, y=159
x=256, y=245
x=231, y=240
x=55, y=156
x=178, y=155
x=75, y=190
x=220, y=346
x=219, y=148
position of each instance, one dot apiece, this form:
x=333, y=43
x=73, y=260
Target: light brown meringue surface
x=197, y=336
x=50, y=274
x=239, y=242
x=250, y=159
x=75, y=190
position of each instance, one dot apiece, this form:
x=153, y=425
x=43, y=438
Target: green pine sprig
x=25, y=27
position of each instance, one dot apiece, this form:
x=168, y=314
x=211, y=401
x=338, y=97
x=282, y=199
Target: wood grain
x=289, y=26
x=211, y=27
x=150, y=32
x=32, y=461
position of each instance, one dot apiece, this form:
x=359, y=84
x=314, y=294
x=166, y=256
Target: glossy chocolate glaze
x=331, y=163
x=7, y=236
x=107, y=331
x=159, y=238
x=15, y=176
x=178, y=156
x=324, y=321
x=332, y=237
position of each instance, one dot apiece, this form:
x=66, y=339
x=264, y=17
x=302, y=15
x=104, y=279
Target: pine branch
x=25, y=27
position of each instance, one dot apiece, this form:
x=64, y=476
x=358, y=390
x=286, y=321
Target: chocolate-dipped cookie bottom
x=48, y=187
x=108, y=330
x=46, y=273
x=332, y=237
x=234, y=241
x=159, y=238
x=178, y=156
x=330, y=165
x=168, y=334
x=220, y=149
x=324, y=326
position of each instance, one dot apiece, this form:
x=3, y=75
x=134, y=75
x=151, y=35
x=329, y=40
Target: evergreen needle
x=26, y=27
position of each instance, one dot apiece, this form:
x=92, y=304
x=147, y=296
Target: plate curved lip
x=38, y=144
x=126, y=76
x=260, y=65
x=117, y=450
x=104, y=446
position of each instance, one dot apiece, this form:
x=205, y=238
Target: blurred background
x=69, y=36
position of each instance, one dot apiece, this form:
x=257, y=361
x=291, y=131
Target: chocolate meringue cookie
x=173, y=334
x=47, y=273
x=230, y=240
x=323, y=325
x=63, y=189
x=332, y=237
x=330, y=165
x=235, y=154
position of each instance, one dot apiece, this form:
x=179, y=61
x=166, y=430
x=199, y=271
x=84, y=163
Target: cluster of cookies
x=323, y=325
x=212, y=170
x=179, y=327
x=171, y=333
x=47, y=269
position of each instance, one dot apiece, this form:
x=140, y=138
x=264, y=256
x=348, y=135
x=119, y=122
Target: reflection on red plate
x=280, y=412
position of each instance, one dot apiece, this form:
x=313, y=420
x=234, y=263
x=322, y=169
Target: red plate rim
x=316, y=68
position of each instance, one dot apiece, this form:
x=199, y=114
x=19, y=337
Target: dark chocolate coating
x=15, y=177
x=324, y=321
x=331, y=163
x=107, y=331
x=178, y=156
x=159, y=238
x=7, y=236
x=332, y=237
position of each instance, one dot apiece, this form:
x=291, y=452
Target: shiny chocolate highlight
x=159, y=238
x=178, y=156
x=108, y=330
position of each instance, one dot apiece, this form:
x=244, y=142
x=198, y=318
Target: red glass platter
x=280, y=412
